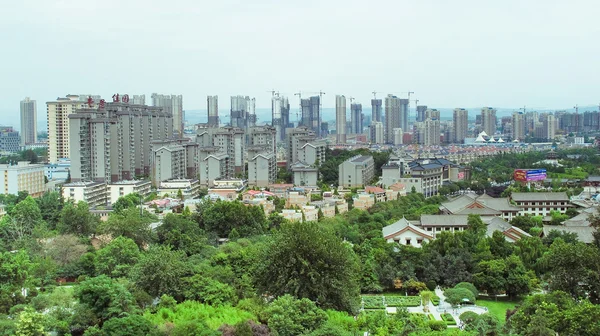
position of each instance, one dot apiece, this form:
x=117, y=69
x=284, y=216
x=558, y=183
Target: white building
x=541, y=203
x=59, y=170
x=189, y=188
x=93, y=193
x=340, y=119
x=119, y=189
x=262, y=169
x=376, y=132
x=168, y=161
x=23, y=176
x=357, y=171
x=304, y=175
x=172, y=105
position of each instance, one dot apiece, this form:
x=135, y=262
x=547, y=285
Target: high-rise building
x=9, y=140
x=238, y=111
x=396, y=116
x=549, y=126
x=460, y=124
x=212, y=106
x=376, y=132
x=139, y=99
x=227, y=142
x=421, y=112
x=173, y=105
x=58, y=112
x=280, y=115
x=488, y=120
x=311, y=114
x=432, y=127
x=28, y=121
x=518, y=125
x=376, y=110
x=113, y=143
x=302, y=145
x=251, y=105
x=356, y=118
x=340, y=119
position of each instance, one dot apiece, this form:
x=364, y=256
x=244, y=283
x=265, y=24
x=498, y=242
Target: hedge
x=403, y=301
x=448, y=318
x=373, y=302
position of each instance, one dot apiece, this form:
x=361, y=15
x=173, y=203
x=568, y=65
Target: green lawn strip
x=403, y=301
x=448, y=319
x=497, y=308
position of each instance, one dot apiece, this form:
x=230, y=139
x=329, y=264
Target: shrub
x=403, y=301
x=437, y=325
x=448, y=319
x=435, y=300
x=431, y=285
x=469, y=286
x=373, y=302
x=468, y=317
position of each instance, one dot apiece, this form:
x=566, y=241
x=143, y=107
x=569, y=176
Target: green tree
x=221, y=217
x=128, y=201
x=307, y=260
x=182, y=234
x=468, y=286
x=105, y=297
x=518, y=279
x=77, y=219
x=65, y=249
x=180, y=195
x=160, y=271
x=129, y=325
x=50, y=204
x=525, y=223
x=15, y=274
x=117, y=258
x=129, y=223
x=30, y=323
x=22, y=220
x=207, y=290
x=456, y=296
x=290, y=317
x=490, y=276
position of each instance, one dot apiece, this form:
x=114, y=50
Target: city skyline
x=489, y=55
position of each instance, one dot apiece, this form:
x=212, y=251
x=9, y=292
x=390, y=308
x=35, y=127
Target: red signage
x=520, y=175
x=115, y=98
x=102, y=104
x=125, y=98
x=90, y=101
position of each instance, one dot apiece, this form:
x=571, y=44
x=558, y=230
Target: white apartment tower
x=488, y=120
x=340, y=119
x=432, y=127
x=518, y=126
x=173, y=105
x=376, y=132
x=28, y=121
x=396, y=116
x=58, y=112
x=460, y=120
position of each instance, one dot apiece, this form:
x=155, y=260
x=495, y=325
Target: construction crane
x=524, y=108
x=374, y=94
x=274, y=93
x=351, y=100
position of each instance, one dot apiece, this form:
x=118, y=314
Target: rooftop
x=540, y=196
x=360, y=158
x=83, y=184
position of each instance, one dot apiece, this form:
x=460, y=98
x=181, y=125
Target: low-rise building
x=404, y=233
x=296, y=198
x=190, y=188
x=357, y=171
x=93, y=193
x=228, y=188
x=363, y=201
x=119, y=189
x=311, y=213
x=280, y=189
x=292, y=215
x=59, y=170
x=22, y=176
x=304, y=175
x=484, y=205
x=379, y=193
x=541, y=203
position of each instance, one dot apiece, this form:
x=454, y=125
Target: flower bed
x=448, y=319
x=373, y=302
x=403, y=301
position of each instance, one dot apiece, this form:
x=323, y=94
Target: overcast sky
x=510, y=53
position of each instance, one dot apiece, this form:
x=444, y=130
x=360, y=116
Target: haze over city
x=451, y=54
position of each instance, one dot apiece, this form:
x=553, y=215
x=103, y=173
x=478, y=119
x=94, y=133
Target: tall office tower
x=421, y=112
x=251, y=116
x=58, y=122
x=139, y=99
x=395, y=116
x=340, y=119
x=488, y=120
x=376, y=132
x=114, y=143
x=173, y=105
x=549, y=127
x=212, y=106
x=28, y=121
x=311, y=114
x=460, y=121
x=376, y=110
x=239, y=109
x=518, y=126
x=432, y=127
x=356, y=118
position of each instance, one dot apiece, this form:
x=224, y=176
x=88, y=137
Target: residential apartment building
x=263, y=136
x=212, y=106
x=376, y=133
x=280, y=116
x=113, y=143
x=138, y=99
x=541, y=203
x=549, y=127
x=340, y=119
x=10, y=141
x=23, y=176
x=396, y=116
x=460, y=122
x=116, y=190
x=168, y=162
x=190, y=188
x=214, y=164
x=303, y=146
x=93, y=193
x=28, y=122
x=426, y=176
x=230, y=141
x=58, y=112
x=357, y=171
x=356, y=118
x=432, y=127
x=421, y=113
x=488, y=120
x=518, y=126
x=363, y=201
x=172, y=105
x=376, y=115
x=262, y=165
x=311, y=114
x=304, y=174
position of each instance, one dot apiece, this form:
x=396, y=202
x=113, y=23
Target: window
x=407, y=241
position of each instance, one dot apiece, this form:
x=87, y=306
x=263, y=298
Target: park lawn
x=497, y=308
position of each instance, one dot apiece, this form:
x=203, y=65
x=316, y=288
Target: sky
x=544, y=54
